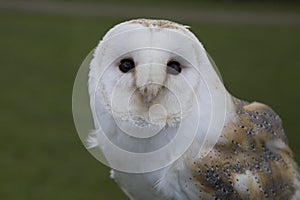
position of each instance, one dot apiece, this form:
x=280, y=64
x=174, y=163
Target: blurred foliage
x=251, y=5
x=41, y=154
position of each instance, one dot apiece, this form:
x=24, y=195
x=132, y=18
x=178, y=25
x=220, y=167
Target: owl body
x=238, y=150
x=251, y=160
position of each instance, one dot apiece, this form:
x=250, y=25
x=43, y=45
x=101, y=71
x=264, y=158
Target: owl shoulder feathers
x=251, y=160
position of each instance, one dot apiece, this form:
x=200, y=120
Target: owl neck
x=216, y=111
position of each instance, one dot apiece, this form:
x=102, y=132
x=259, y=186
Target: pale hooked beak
x=150, y=92
x=150, y=79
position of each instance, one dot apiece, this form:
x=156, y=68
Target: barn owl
x=169, y=129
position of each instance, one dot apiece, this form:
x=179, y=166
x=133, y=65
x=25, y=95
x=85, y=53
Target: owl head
x=149, y=71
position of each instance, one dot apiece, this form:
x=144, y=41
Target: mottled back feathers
x=252, y=159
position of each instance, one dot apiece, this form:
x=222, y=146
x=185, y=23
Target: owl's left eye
x=126, y=65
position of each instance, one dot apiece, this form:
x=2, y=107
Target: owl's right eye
x=173, y=67
x=126, y=65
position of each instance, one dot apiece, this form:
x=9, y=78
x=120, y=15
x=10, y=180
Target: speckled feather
x=252, y=159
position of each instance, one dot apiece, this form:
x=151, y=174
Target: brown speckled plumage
x=256, y=146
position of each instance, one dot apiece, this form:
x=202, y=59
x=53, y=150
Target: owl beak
x=150, y=92
x=150, y=79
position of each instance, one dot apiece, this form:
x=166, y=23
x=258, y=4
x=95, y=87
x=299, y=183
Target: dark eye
x=126, y=65
x=173, y=67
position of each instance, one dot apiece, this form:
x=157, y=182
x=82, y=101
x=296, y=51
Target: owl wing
x=251, y=160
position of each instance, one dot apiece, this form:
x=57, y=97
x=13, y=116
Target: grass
x=41, y=154
x=288, y=6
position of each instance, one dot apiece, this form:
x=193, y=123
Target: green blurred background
x=43, y=43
